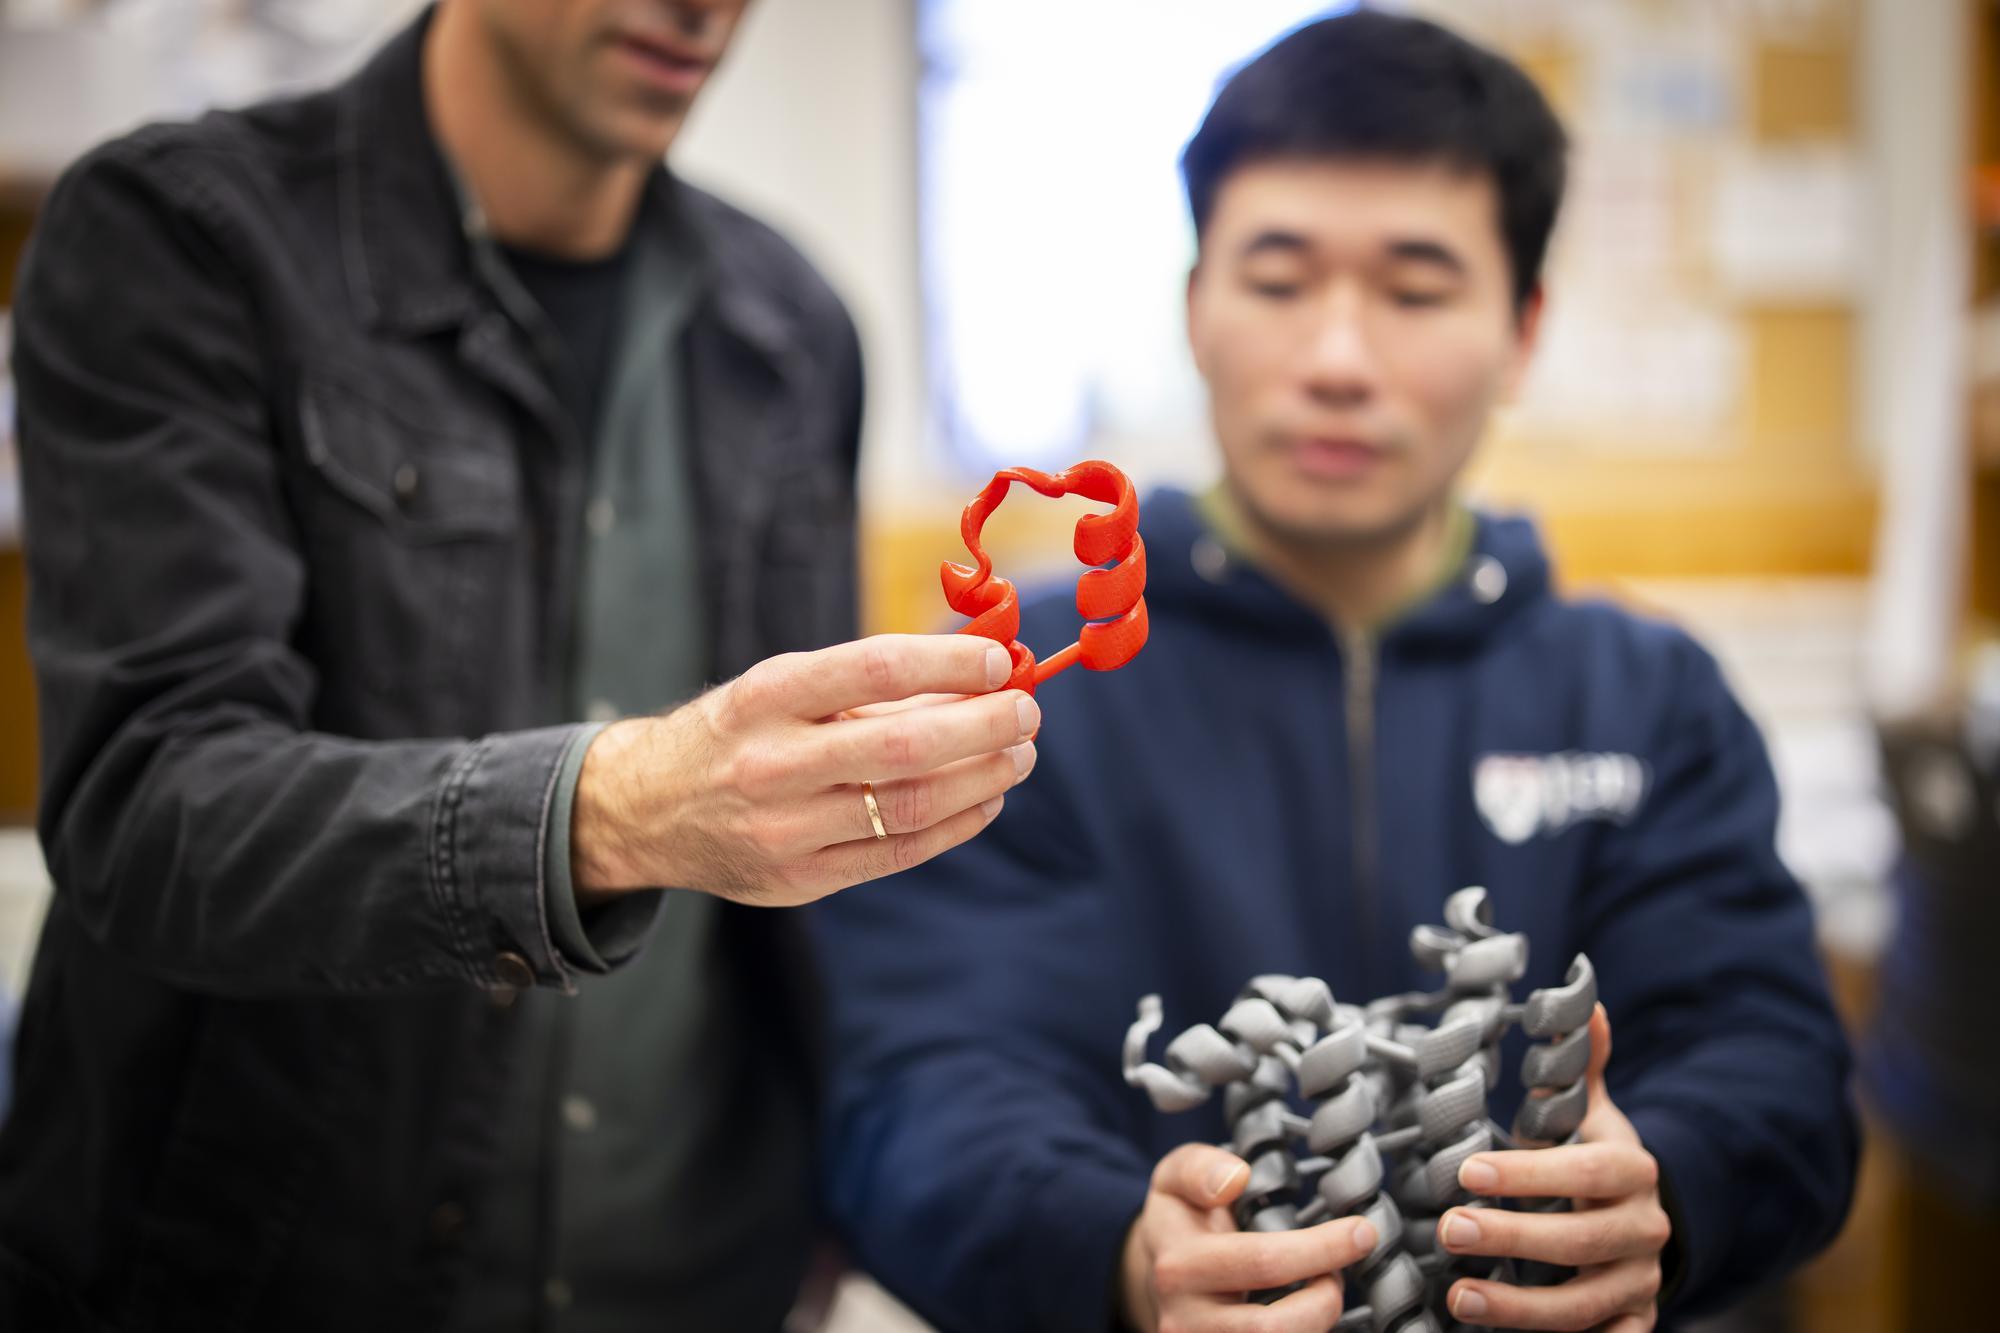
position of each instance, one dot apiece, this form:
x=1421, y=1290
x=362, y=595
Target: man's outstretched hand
x=753, y=791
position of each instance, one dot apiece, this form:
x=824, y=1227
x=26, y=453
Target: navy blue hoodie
x=1255, y=793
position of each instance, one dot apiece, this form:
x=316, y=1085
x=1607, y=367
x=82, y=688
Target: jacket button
x=447, y=1221
x=513, y=970
x=601, y=516
x=579, y=1113
x=406, y=483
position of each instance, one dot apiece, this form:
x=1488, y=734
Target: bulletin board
x=1692, y=408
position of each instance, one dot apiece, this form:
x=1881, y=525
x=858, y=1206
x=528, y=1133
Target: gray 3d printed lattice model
x=1387, y=1089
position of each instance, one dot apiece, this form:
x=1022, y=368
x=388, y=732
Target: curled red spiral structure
x=1112, y=599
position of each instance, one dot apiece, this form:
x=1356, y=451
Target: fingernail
x=1023, y=756
x=1030, y=714
x=1460, y=1229
x=999, y=666
x=1221, y=1174
x=991, y=807
x=1365, y=1235
x=1468, y=1304
x=1478, y=1175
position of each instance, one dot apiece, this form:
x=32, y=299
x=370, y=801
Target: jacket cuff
x=599, y=938
x=1693, y=1176
x=487, y=857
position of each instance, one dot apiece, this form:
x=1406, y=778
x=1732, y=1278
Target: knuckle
x=798, y=883
x=914, y=806
x=730, y=706
x=1607, y=1238
x=758, y=690
x=743, y=771
x=1170, y=1272
x=1262, y=1268
x=766, y=838
x=907, y=851
x=879, y=667
x=1575, y=1317
x=1659, y=1228
x=900, y=748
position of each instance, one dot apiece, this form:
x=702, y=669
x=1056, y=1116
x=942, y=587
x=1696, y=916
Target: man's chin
x=1319, y=527
x=637, y=133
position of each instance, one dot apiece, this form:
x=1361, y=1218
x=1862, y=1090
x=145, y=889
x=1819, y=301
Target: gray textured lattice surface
x=1397, y=1094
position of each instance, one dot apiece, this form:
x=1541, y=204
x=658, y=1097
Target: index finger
x=881, y=668
x=1261, y=1260
x=1573, y=1171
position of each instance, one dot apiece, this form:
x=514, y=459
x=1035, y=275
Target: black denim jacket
x=302, y=515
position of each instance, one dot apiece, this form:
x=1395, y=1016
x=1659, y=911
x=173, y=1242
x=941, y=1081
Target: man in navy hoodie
x=1359, y=695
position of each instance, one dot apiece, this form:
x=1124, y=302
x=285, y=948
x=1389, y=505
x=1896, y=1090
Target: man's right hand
x=753, y=790
x=1187, y=1269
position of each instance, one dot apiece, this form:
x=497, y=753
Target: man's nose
x=1340, y=364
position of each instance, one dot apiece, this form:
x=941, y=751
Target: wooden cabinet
x=18, y=741
x=1983, y=194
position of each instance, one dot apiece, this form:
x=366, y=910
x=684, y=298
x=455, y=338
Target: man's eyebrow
x=1270, y=239
x=1421, y=251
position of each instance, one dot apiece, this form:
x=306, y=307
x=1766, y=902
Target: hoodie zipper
x=1358, y=649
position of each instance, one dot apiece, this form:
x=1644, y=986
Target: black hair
x=1371, y=85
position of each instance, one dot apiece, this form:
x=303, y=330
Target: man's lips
x=665, y=64
x=1333, y=457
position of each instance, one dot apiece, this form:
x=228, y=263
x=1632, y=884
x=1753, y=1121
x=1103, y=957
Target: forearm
x=229, y=853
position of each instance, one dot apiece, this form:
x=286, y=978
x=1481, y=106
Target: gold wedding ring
x=874, y=810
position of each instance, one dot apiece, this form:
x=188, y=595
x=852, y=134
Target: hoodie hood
x=1188, y=568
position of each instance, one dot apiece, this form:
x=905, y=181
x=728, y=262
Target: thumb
x=1600, y=1051
x=1201, y=1174
x=1602, y=1120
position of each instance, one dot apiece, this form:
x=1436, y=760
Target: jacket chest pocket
x=424, y=483
x=418, y=549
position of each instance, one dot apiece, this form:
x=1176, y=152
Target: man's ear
x=1194, y=317
x=1527, y=336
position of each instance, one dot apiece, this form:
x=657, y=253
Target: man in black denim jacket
x=305, y=497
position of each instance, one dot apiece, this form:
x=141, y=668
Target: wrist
x=603, y=851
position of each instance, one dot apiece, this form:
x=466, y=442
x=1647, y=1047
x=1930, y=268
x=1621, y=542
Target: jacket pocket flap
x=430, y=483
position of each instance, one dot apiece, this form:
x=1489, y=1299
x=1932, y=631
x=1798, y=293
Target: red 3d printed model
x=1110, y=599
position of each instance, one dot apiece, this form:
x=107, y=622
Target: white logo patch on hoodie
x=1522, y=795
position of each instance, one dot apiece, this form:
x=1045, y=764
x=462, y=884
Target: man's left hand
x=1613, y=1237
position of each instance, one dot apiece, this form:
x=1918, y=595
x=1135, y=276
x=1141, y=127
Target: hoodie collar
x=1503, y=572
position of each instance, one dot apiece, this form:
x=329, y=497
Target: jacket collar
x=409, y=268
x=406, y=251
